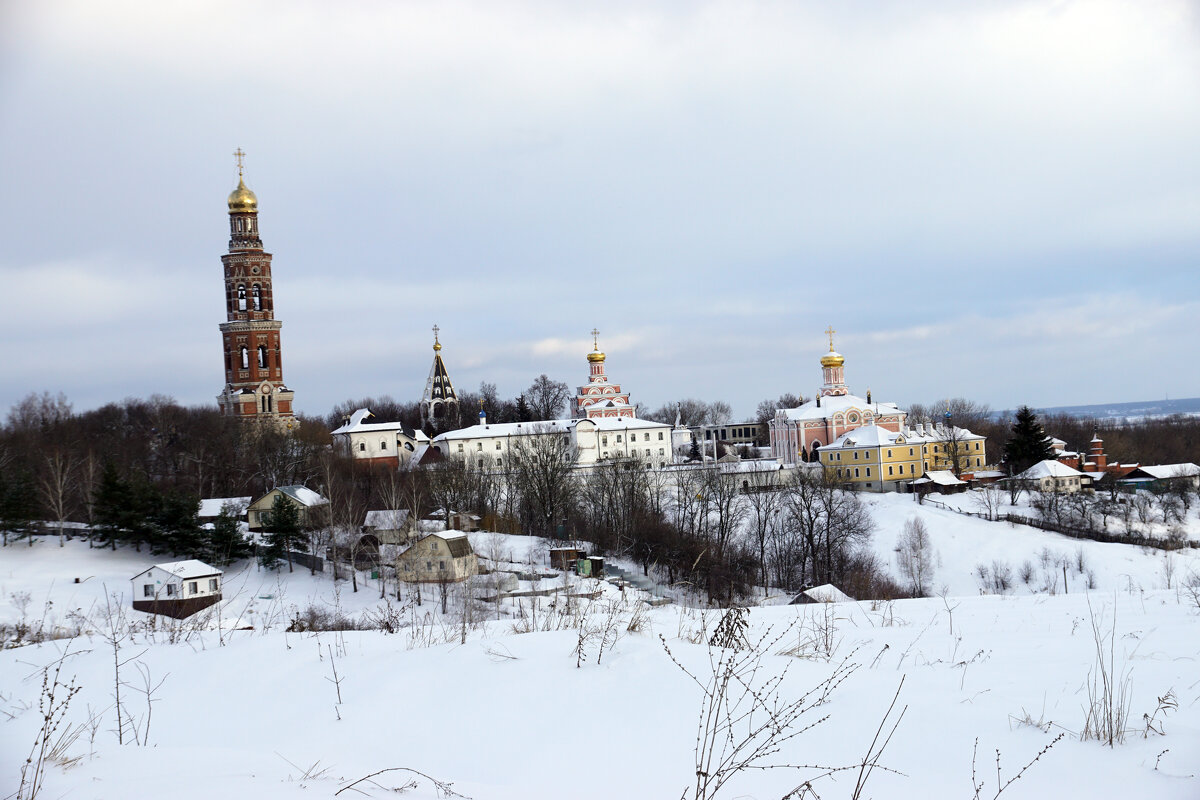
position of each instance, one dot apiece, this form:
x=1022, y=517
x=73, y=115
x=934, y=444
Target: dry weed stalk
x=744, y=721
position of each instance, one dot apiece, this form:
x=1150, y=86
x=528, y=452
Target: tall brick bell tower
x=254, y=387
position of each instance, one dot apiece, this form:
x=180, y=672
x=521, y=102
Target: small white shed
x=176, y=589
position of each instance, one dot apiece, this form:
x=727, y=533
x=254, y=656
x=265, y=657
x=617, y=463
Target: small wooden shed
x=564, y=558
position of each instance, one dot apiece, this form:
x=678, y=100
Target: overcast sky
x=997, y=200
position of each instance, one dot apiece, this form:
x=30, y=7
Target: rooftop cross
x=435, y=333
x=239, y=155
x=595, y=340
x=830, y=332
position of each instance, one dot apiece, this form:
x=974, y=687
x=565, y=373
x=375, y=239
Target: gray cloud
x=709, y=184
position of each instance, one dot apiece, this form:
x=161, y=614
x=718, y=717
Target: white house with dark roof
x=594, y=440
x=386, y=443
x=176, y=589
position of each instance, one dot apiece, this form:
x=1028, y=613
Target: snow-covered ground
x=253, y=711
x=964, y=543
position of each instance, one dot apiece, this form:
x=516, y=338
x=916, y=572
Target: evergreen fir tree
x=227, y=543
x=111, y=506
x=18, y=505
x=524, y=413
x=283, y=533
x=694, y=453
x=177, y=527
x=1028, y=443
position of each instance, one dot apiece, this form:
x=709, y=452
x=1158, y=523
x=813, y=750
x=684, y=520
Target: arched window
x=241, y=297
x=257, y=294
x=383, y=444
x=816, y=456
x=245, y=358
x=262, y=356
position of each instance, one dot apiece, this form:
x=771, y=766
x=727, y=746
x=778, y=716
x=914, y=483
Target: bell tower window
x=241, y=297
x=245, y=357
x=262, y=356
x=257, y=293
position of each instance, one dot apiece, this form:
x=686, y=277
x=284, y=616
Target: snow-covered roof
x=942, y=477
x=827, y=593
x=868, y=436
x=625, y=423
x=1049, y=469
x=211, y=506
x=500, y=429
x=988, y=473
x=358, y=424
x=751, y=465
x=1167, y=471
x=943, y=433
x=832, y=404
x=459, y=545
x=503, y=429
x=391, y=519
x=303, y=495
x=184, y=570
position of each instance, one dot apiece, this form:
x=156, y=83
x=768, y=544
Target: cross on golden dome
x=436, y=344
x=830, y=332
x=595, y=339
x=239, y=155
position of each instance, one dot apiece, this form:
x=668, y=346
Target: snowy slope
x=247, y=713
x=510, y=716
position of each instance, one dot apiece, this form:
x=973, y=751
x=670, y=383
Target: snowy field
x=254, y=711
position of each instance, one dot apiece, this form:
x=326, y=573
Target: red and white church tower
x=254, y=387
x=599, y=398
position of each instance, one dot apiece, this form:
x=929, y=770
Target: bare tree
x=988, y=498
x=54, y=484
x=764, y=502
x=547, y=398
x=915, y=556
x=543, y=473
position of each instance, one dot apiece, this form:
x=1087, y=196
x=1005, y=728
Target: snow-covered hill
x=254, y=711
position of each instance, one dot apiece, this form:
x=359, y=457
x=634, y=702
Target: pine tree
x=1028, y=443
x=694, y=453
x=177, y=527
x=18, y=505
x=111, y=506
x=283, y=533
x=524, y=413
x=227, y=543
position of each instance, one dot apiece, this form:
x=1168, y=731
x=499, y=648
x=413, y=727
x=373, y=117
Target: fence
x=1073, y=532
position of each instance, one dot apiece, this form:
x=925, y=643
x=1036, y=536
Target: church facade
x=254, y=387
x=598, y=398
x=796, y=434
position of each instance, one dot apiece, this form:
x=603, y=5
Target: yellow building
x=877, y=459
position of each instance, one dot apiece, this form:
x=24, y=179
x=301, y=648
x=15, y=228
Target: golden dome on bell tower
x=595, y=357
x=832, y=358
x=241, y=199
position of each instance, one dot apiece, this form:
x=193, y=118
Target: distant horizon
x=1074, y=409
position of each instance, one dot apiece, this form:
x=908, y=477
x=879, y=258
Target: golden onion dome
x=437, y=346
x=832, y=359
x=242, y=200
x=596, y=357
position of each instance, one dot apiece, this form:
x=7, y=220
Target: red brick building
x=254, y=387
